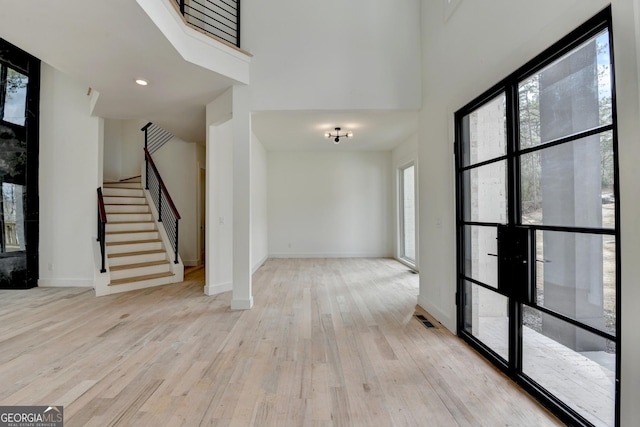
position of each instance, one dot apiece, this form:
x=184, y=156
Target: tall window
x=538, y=228
x=19, y=116
x=408, y=214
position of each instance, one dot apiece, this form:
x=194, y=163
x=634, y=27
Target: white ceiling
x=107, y=45
x=304, y=130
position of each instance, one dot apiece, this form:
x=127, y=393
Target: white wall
x=402, y=155
x=259, y=219
x=177, y=163
x=112, y=164
x=333, y=54
x=68, y=177
x=481, y=43
x=123, y=144
x=219, y=199
x=329, y=204
x=201, y=156
x=219, y=211
x=132, y=147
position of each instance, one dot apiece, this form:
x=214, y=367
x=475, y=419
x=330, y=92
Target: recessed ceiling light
x=142, y=82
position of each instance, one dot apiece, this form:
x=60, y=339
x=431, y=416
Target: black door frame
x=516, y=299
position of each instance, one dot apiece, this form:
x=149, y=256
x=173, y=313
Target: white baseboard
x=242, y=304
x=438, y=314
x=65, y=283
x=407, y=263
x=190, y=262
x=331, y=255
x=259, y=264
x=219, y=288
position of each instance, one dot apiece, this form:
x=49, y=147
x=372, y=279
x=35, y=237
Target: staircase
x=136, y=255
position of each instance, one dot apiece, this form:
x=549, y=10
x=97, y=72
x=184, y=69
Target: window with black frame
x=19, y=98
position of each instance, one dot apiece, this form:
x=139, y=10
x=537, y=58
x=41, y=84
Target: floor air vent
x=425, y=321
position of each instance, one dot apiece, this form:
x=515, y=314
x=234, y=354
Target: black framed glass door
x=538, y=251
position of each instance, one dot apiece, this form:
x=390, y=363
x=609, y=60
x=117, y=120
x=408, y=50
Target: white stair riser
x=135, y=259
x=126, y=208
x=134, y=247
x=127, y=237
x=124, y=200
x=140, y=271
x=129, y=217
x=128, y=192
x=134, y=226
x=123, y=184
x=136, y=285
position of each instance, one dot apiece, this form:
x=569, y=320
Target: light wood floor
x=328, y=343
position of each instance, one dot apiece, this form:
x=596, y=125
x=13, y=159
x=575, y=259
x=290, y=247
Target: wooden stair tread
x=128, y=213
x=138, y=265
x=137, y=178
x=130, y=222
x=150, y=252
x=131, y=231
x=127, y=197
x=140, y=278
x=133, y=242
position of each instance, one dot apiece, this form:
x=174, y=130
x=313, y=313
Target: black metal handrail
x=167, y=213
x=220, y=18
x=102, y=222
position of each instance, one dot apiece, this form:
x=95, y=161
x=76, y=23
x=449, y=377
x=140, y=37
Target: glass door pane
x=571, y=95
x=585, y=380
x=487, y=318
x=481, y=254
x=570, y=184
x=484, y=132
x=576, y=277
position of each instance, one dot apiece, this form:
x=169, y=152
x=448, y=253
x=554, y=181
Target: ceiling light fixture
x=142, y=82
x=336, y=137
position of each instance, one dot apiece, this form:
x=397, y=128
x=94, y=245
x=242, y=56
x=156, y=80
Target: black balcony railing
x=220, y=18
x=155, y=137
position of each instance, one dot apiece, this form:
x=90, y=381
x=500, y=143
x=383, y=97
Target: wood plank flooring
x=329, y=342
